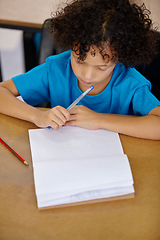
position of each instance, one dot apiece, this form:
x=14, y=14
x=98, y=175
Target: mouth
x=86, y=83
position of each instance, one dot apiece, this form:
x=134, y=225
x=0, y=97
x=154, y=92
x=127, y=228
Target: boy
x=106, y=38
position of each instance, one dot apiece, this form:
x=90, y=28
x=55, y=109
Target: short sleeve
x=33, y=85
x=144, y=101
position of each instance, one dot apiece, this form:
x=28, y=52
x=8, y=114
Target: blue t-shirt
x=128, y=92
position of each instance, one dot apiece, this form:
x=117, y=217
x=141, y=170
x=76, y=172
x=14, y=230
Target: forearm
x=143, y=127
x=12, y=106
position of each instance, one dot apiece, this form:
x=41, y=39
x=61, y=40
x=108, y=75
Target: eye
x=103, y=69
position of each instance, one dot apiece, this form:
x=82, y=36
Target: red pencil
x=14, y=152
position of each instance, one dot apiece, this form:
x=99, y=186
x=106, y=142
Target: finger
x=54, y=125
x=62, y=113
x=74, y=109
x=70, y=123
x=57, y=120
x=65, y=113
x=72, y=117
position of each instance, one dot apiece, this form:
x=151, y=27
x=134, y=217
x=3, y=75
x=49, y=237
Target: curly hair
x=124, y=26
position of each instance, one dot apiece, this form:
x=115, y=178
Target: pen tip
x=91, y=87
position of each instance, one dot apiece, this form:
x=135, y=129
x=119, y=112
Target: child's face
x=94, y=70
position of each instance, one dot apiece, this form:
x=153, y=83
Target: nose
x=88, y=74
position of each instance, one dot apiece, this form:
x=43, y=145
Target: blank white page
x=72, y=143
x=62, y=178
x=73, y=160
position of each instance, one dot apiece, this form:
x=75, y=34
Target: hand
x=55, y=117
x=83, y=117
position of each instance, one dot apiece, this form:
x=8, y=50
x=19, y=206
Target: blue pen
x=79, y=99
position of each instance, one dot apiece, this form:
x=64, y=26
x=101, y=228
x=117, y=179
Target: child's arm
x=10, y=105
x=143, y=127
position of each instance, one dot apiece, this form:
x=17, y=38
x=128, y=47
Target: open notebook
x=75, y=165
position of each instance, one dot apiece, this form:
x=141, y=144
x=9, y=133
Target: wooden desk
x=130, y=219
x=30, y=14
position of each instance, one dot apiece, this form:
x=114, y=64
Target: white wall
x=154, y=7
x=11, y=53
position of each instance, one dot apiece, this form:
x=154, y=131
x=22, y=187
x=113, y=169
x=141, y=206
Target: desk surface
x=26, y=13
x=133, y=219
